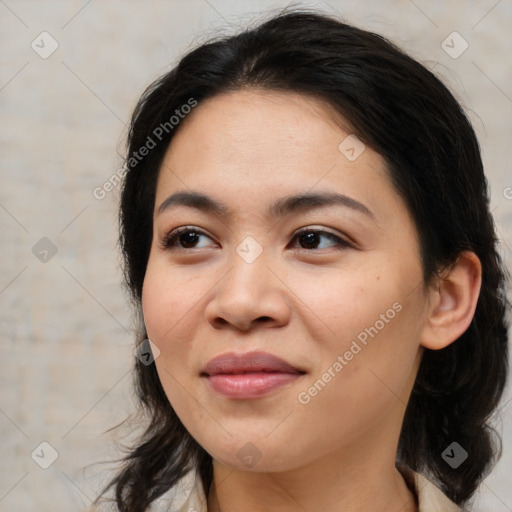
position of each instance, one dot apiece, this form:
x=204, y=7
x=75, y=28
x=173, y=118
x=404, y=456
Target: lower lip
x=250, y=385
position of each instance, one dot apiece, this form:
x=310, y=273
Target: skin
x=303, y=303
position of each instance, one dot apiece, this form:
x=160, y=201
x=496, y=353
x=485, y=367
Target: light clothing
x=189, y=495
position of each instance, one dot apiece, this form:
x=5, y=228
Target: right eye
x=182, y=238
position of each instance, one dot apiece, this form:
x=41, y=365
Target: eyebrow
x=295, y=203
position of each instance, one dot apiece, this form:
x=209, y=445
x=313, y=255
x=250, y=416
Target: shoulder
x=187, y=495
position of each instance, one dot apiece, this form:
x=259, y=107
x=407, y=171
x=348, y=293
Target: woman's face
x=341, y=301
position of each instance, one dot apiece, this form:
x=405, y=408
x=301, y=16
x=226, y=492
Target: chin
x=254, y=457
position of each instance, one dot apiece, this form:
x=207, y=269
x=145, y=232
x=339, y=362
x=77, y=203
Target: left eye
x=187, y=238
x=312, y=237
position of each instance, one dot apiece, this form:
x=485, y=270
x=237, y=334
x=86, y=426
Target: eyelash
x=168, y=242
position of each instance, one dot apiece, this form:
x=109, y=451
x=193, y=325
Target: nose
x=248, y=295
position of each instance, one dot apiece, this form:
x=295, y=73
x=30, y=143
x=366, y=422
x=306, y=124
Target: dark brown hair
x=402, y=111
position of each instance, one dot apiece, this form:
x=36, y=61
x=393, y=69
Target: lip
x=249, y=375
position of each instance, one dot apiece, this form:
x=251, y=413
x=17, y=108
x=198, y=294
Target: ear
x=452, y=302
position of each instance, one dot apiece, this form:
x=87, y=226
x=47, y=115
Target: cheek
x=168, y=318
x=167, y=303
x=157, y=305
x=372, y=322
x=344, y=300
x=369, y=384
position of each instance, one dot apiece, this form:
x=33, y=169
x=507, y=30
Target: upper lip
x=232, y=362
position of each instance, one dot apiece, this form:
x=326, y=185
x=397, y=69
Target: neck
x=358, y=488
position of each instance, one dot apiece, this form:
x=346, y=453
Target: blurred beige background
x=65, y=96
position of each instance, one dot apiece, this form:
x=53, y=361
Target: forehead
x=250, y=146
x=268, y=122
x=276, y=135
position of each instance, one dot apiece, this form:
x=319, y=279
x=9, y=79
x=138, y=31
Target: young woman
x=306, y=233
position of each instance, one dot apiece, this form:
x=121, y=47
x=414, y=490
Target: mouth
x=249, y=375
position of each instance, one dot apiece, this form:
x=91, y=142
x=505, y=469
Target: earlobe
x=453, y=302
